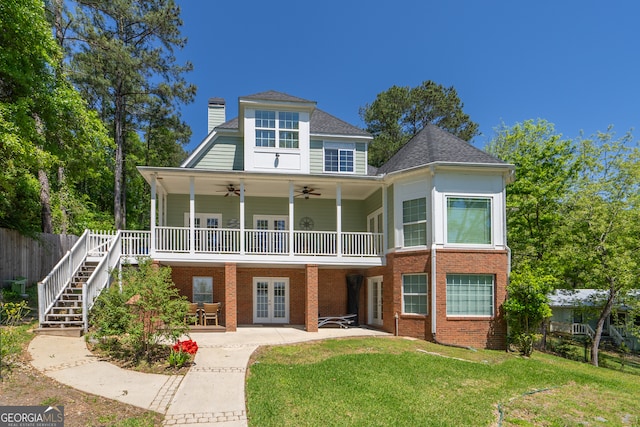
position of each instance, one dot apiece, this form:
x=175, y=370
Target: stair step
x=51, y=324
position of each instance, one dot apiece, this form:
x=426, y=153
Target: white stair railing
x=582, y=329
x=101, y=277
x=616, y=335
x=52, y=286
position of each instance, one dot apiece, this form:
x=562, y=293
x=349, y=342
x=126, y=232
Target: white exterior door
x=274, y=240
x=374, y=286
x=270, y=300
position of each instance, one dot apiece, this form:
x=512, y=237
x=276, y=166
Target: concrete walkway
x=210, y=394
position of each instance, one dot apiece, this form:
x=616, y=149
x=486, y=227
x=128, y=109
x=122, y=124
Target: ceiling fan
x=306, y=192
x=230, y=190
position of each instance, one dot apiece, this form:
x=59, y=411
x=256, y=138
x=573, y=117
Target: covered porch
x=198, y=215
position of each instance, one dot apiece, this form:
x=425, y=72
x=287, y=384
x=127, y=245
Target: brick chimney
x=216, y=114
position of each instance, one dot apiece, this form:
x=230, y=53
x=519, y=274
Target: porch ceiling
x=176, y=181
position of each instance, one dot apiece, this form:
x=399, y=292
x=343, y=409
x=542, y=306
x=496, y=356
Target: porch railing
x=52, y=286
x=101, y=276
x=266, y=242
x=135, y=243
x=616, y=334
x=582, y=329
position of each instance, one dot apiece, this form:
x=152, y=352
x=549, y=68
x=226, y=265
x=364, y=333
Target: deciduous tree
x=546, y=168
x=601, y=223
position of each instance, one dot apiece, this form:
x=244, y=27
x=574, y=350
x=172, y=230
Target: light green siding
x=390, y=218
x=361, y=158
x=316, y=157
x=373, y=202
x=226, y=153
x=321, y=211
x=178, y=204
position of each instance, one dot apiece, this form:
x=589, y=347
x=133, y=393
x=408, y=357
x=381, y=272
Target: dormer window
x=277, y=129
x=339, y=157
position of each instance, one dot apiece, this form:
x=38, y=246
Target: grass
x=387, y=381
x=22, y=385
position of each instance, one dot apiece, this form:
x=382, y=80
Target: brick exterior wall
x=474, y=332
x=311, y=299
x=230, y=304
x=328, y=294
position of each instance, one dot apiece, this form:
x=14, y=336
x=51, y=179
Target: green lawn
x=394, y=381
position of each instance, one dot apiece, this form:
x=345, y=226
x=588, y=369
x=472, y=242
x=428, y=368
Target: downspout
x=433, y=291
x=433, y=256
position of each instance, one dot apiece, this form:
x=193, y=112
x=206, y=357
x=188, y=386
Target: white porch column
x=152, y=226
x=160, y=206
x=385, y=213
x=192, y=214
x=291, y=216
x=339, y=219
x=242, y=226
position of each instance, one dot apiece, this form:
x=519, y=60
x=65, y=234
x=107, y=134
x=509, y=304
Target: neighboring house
x=277, y=208
x=576, y=312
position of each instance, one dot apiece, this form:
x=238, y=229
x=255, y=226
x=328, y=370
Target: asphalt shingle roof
x=433, y=144
x=321, y=122
x=272, y=95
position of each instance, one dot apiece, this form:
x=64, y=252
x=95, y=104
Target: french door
x=270, y=300
x=273, y=236
x=374, y=286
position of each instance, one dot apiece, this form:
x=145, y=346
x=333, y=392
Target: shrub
x=13, y=313
x=527, y=307
x=148, y=311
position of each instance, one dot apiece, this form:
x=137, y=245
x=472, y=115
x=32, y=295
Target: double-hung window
x=414, y=293
x=277, y=129
x=339, y=157
x=470, y=295
x=414, y=222
x=203, y=289
x=469, y=220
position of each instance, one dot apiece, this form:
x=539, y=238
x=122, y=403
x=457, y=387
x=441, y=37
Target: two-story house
x=277, y=209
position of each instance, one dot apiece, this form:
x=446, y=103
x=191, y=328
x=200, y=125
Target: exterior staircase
x=65, y=317
x=68, y=292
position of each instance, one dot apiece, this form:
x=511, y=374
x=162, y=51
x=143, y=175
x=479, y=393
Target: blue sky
x=574, y=63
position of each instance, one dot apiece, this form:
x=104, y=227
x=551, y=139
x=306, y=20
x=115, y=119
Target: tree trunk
x=119, y=116
x=45, y=202
x=63, y=192
x=595, y=344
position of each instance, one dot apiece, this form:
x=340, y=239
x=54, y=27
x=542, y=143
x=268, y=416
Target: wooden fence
x=22, y=256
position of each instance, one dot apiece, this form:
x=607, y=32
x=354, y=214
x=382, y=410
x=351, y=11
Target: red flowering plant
x=182, y=352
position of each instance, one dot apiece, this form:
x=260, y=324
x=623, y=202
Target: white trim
x=445, y=219
x=208, y=281
x=203, y=219
x=340, y=146
x=270, y=282
x=271, y=218
x=205, y=144
x=370, y=281
x=426, y=292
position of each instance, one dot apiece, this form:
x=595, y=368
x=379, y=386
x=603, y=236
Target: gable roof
x=324, y=123
x=433, y=145
x=320, y=122
x=272, y=95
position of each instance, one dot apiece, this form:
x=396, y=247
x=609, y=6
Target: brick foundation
x=315, y=291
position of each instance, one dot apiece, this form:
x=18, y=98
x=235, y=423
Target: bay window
x=469, y=220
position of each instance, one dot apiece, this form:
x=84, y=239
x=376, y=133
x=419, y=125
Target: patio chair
x=193, y=314
x=210, y=311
